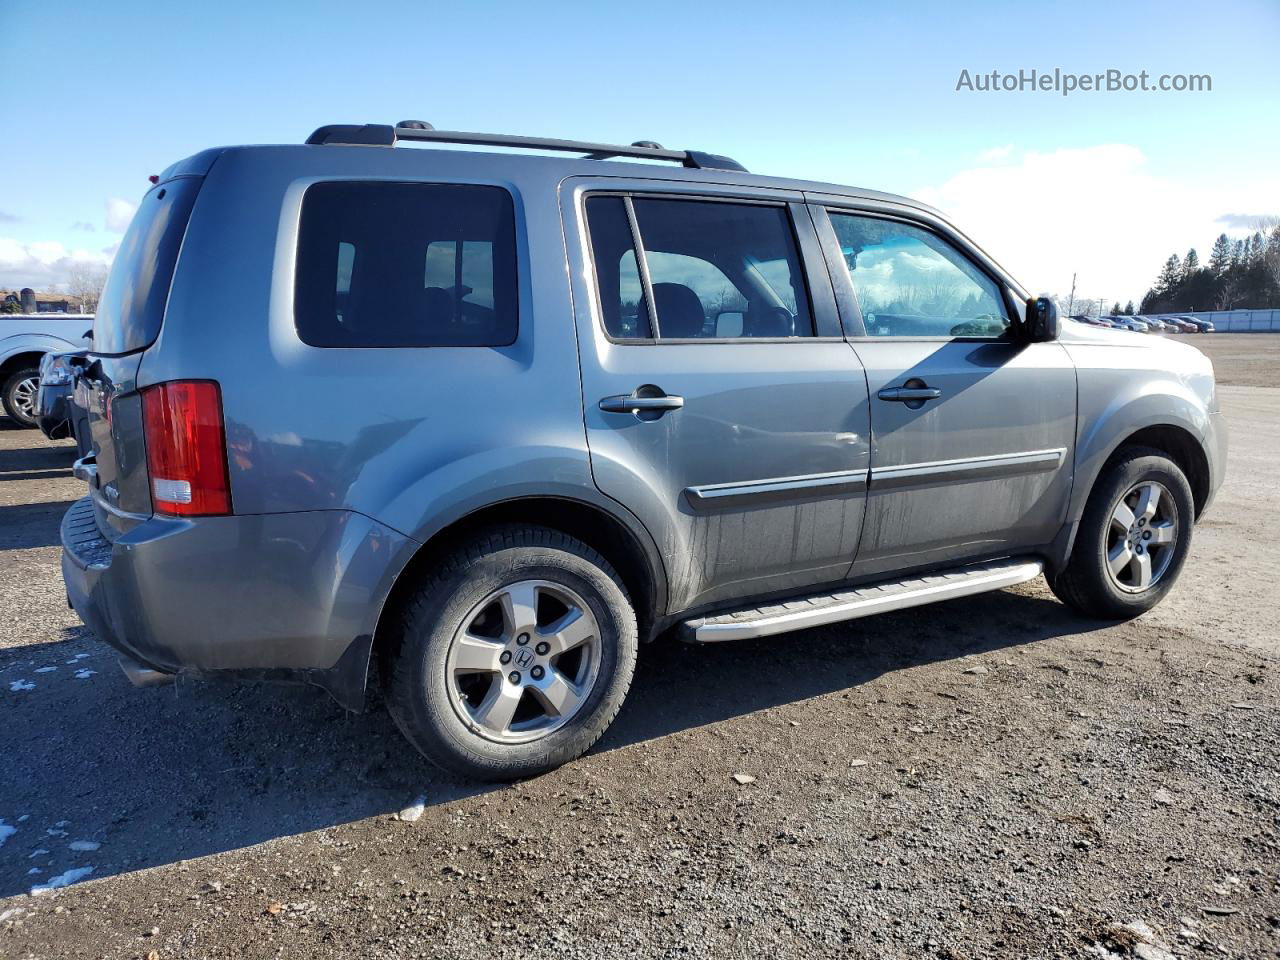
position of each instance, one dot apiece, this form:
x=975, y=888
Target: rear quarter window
x=131, y=309
x=406, y=265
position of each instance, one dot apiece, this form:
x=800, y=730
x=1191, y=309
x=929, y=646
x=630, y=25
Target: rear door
x=723, y=406
x=972, y=430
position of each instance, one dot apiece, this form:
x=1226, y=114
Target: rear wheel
x=18, y=394
x=1133, y=538
x=515, y=657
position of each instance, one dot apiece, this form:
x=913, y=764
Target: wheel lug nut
x=522, y=639
x=514, y=676
x=505, y=658
x=1139, y=548
x=537, y=673
x=1142, y=521
x=543, y=648
x=1146, y=535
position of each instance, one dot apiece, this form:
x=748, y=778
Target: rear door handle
x=653, y=401
x=909, y=394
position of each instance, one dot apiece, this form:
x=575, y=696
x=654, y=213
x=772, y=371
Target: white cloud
x=996, y=153
x=1097, y=211
x=43, y=264
x=119, y=213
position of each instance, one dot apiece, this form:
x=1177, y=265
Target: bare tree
x=1269, y=227
x=85, y=282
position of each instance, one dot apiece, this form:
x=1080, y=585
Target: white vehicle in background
x=25, y=338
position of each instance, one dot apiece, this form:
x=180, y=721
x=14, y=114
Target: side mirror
x=729, y=323
x=1042, y=320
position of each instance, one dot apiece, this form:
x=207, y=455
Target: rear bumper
x=292, y=597
x=53, y=411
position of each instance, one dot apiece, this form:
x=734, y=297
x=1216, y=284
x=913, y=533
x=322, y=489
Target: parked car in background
x=25, y=339
x=598, y=401
x=1202, y=326
x=57, y=413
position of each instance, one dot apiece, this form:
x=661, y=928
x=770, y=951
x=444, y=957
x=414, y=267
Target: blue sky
x=96, y=96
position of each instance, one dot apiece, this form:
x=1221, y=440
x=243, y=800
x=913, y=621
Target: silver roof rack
x=385, y=135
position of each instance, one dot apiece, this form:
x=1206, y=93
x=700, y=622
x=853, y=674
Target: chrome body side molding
x=968, y=469
x=711, y=496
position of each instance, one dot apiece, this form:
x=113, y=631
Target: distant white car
x=25, y=338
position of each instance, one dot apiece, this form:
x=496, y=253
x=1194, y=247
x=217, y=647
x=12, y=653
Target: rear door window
x=716, y=270
x=132, y=305
x=406, y=265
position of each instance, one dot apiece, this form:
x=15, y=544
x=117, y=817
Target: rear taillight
x=186, y=448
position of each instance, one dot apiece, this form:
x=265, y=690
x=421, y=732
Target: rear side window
x=132, y=305
x=406, y=265
x=622, y=301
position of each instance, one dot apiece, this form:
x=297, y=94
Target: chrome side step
x=819, y=609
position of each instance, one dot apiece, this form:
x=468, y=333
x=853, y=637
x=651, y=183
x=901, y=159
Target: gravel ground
x=991, y=777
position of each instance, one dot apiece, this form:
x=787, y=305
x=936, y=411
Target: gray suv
x=478, y=424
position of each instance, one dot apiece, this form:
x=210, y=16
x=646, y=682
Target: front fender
x=1115, y=405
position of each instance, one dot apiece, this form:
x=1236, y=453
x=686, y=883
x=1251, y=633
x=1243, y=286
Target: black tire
x=1085, y=584
x=8, y=395
x=419, y=691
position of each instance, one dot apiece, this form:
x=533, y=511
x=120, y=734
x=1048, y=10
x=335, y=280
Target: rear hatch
x=128, y=321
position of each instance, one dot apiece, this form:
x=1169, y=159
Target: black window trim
x=803, y=258
x=847, y=296
x=518, y=237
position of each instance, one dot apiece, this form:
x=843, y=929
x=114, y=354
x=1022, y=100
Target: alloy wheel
x=523, y=662
x=24, y=397
x=1141, y=536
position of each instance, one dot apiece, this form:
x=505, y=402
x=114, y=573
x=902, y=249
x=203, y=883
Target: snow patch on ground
x=84, y=845
x=414, y=811
x=61, y=880
x=45, y=669
x=19, y=685
x=84, y=673
x=6, y=831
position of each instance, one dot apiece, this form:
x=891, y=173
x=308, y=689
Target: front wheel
x=514, y=657
x=1133, y=538
x=18, y=394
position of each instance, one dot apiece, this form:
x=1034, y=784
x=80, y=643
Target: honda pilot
x=473, y=425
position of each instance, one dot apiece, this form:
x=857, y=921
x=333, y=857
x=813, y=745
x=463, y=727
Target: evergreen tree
x=1115, y=310
x=1191, y=264
x=1128, y=309
x=1169, y=277
x=1258, y=247
x=1220, y=256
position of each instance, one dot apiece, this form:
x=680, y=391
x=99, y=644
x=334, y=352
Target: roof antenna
x=415, y=125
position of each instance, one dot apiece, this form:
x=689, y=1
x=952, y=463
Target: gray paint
x=344, y=461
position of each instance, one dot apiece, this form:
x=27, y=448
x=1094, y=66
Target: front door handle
x=907, y=394
x=647, y=403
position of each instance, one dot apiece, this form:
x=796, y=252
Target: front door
x=972, y=431
x=723, y=407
